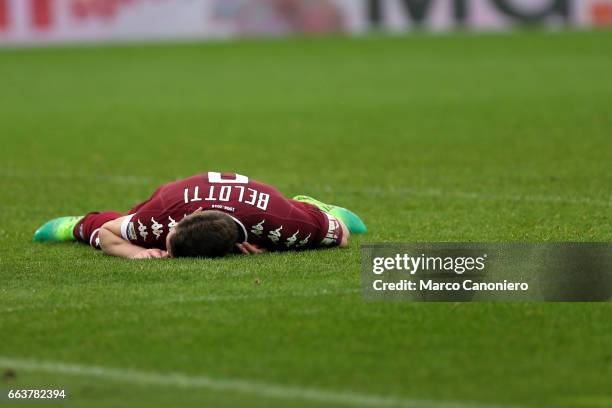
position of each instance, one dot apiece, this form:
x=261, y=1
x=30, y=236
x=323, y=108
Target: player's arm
x=345, y=235
x=247, y=248
x=112, y=243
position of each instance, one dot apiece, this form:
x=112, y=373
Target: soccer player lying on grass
x=209, y=215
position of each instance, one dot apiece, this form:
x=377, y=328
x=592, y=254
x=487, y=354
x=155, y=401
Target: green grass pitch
x=447, y=138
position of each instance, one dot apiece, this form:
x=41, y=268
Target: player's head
x=206, y=234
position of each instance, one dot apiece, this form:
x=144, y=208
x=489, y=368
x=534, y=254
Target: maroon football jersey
x=264, y=216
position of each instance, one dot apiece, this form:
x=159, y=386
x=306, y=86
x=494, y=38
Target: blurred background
x=48, y=21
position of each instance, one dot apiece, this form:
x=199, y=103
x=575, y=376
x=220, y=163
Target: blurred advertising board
x=70, y=21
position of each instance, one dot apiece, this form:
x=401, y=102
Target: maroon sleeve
x=146, y=229
x=304, y=226
x=147, y=225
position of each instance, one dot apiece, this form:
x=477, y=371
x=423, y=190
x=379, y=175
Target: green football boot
x=57, y=230
x=352, y=221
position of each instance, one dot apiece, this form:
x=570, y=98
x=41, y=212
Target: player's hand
x=151, y=254
x=247, y=248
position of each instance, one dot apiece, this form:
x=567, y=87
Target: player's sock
x=352, y=221
x=57, y=230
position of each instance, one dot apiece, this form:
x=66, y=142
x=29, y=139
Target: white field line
x=246, y=387
x=391, y=190
x=186, y=299
x=465, y=195
x=69, y=176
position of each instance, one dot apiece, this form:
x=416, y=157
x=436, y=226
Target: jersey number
x=215, y=177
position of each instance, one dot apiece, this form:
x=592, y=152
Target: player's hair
x=207, y=234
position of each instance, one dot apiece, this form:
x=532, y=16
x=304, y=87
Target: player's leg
x=351, y=220
x=86, y=230
x=83, y=228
